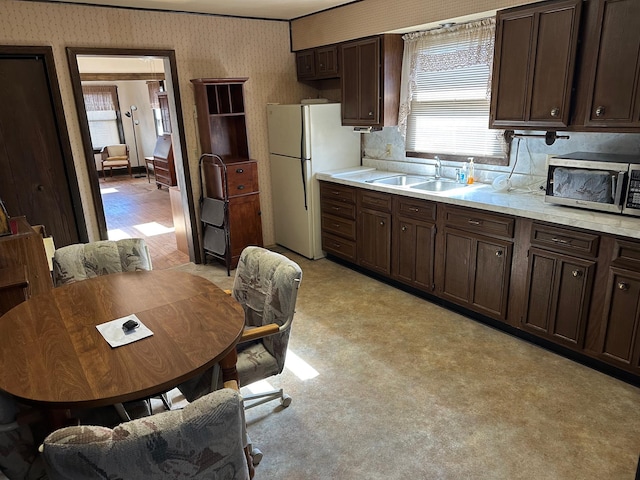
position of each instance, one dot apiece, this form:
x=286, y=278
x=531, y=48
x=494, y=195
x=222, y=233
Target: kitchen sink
x=399, y=180
x=438, y=186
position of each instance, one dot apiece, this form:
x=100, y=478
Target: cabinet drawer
x=564, y=240
x=337, y=192
x=480, y=222
x=339, y=209
x=339, y=247
x=375, y=201
x=339, y=226
x=413, y=208
x=242, y=178
x=627, y=255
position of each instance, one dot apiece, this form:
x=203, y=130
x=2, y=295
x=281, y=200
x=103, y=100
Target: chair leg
x=260, y=398
x=124, y=416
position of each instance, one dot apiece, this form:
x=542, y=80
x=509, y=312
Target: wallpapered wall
x=371, y=17
x=205, y=46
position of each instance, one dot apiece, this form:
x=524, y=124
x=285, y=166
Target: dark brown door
x=37, y=178
x=374, y=241
x=615, y=79
x=534, y=63
x=559, y=296
x=491, y=277
x=361, y=82
x=413, y=252
x=620, y=334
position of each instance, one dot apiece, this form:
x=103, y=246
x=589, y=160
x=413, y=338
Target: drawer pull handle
x=336, y=225
x=561, y=240
x=576, y=273
x=414, y=209
x=404, y=228
x=337, y=209
x=499, y=253
x=240, y=187
x=623, y=286
x=474, y=222
x=239, y=170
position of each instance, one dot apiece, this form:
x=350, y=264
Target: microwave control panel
x=633, y=192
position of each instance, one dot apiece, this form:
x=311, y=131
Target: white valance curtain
x=100, y=97
x=443, y=49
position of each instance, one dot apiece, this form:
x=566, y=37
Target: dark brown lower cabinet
x=413, y=242
x=559, y=290
x=374, y=240
x=245, y=224
x=476, y=272
x=620, y=328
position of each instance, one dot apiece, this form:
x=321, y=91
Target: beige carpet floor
x=406, y=389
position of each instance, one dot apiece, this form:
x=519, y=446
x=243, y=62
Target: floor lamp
x=135, y=122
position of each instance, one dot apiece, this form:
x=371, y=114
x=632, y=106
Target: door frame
x=193, y=238
x=46, y=52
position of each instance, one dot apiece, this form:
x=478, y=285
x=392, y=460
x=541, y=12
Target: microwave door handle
x=618, y=184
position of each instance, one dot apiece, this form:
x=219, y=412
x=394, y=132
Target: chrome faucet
x=438, y=166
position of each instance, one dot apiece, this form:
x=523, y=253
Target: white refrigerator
x=304, y=140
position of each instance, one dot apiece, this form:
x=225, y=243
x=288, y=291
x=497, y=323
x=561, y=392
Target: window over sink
x=445, y=94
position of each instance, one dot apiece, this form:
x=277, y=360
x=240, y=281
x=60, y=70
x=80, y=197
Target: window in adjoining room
x=445, y=96
x=101, y=104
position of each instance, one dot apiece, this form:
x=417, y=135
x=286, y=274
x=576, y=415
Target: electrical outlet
x=387, y=151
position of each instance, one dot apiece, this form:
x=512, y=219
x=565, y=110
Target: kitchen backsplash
x=385, y=150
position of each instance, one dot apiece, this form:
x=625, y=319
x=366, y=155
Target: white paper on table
x=114, y=334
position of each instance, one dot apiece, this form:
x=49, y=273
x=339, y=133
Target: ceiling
x=270, y=9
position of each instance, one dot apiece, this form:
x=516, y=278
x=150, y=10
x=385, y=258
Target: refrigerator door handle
x=302, y=157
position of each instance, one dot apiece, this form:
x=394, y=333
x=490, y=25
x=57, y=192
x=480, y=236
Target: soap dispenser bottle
x=470, y=172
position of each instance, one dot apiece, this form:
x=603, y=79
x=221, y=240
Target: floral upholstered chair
x=19, y=459
x=86, y=260
x=266, y=285
x=204, y=440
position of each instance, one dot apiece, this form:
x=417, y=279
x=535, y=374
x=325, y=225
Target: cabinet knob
x=577, y=273
x=599, y=111
x=382, y=223
x=555, y=112
x=40, y=188
x=404, y=228
x=336, y=225
x=499, y=253
x=239, y=170
x=240, y=187
x=623, y=286
x=371, y=114
x=322, y=65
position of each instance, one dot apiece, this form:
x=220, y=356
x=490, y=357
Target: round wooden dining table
x=52, y=354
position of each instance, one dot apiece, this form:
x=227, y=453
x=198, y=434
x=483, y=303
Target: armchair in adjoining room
x=266, y=285
x=206, y=439
x=115, y=156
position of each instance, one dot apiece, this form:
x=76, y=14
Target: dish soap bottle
x=470, y=171
x=463, y=174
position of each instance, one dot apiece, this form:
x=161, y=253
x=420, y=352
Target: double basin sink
x=416, y=182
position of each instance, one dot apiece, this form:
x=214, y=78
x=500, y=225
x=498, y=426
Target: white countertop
x=484, y=197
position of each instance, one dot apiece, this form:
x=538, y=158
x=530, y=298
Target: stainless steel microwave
x=604, y=182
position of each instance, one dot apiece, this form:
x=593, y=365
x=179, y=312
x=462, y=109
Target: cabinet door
x=620, y=332
x=245, y=223
x=305, y=64
x=491, y=270
x=165, y=114
x=413, y=252
x=559, y=296
x=614, y=82
x=327, y=62
x=374, y=241
x=534, y=64
x=361, y=82
x=476, y=272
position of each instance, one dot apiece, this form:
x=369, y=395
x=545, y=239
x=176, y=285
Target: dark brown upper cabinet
x=534, y=63
x=317, y=63
x=613, y=64
x=370, y=81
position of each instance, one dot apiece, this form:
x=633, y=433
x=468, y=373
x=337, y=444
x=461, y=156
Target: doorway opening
x=148, y=197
